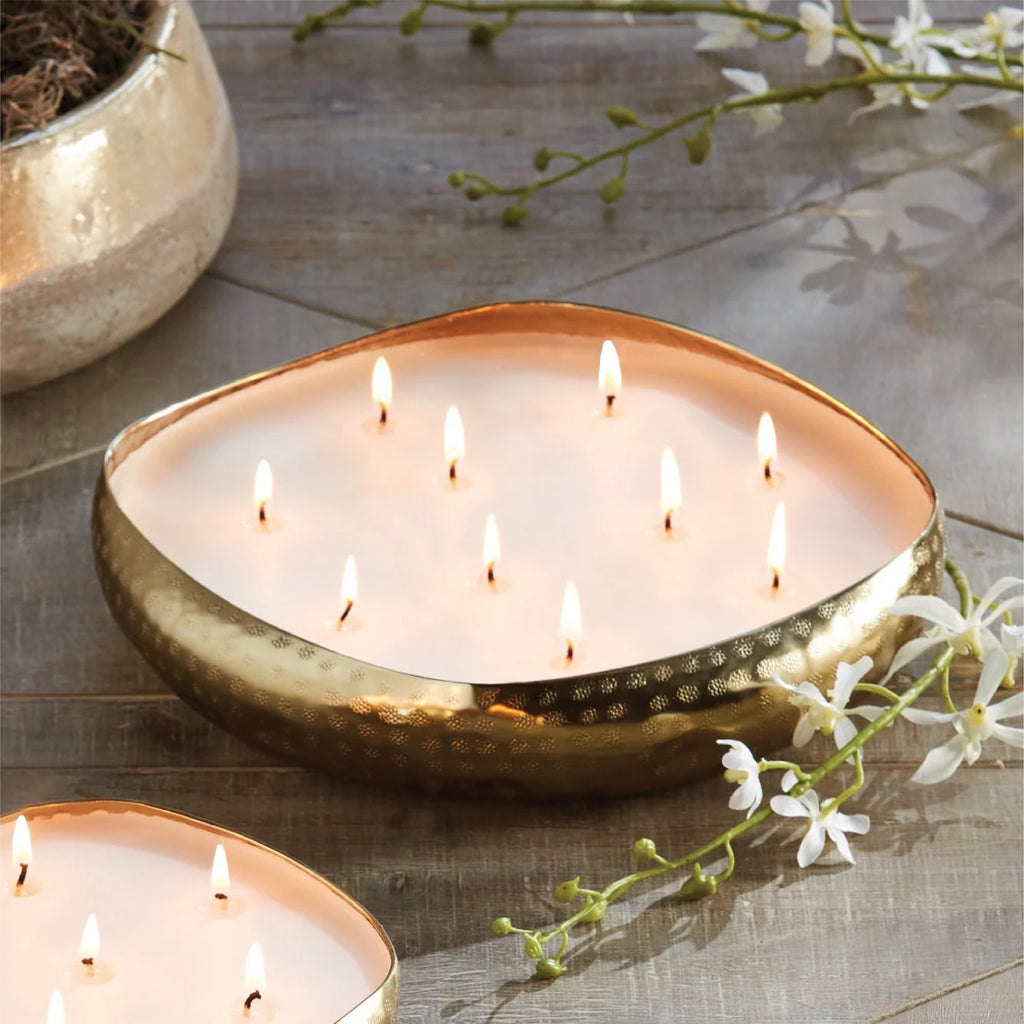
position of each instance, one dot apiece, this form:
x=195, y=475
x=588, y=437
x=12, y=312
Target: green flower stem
x=944, y=688
x=809, y=92
x=789, y=766
x=615, y=890
x=878, y=691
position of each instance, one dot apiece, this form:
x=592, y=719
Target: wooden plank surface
x=880, y=261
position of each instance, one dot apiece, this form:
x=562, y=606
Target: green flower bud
x=482, y=33
x=698, y=146
x=512, y=215
x=566, y=892
x=698, y=886
x=542, y=158
x=410, y=23
x=595, y=912
x=533, y=948
x=644, y=849
x=475, y=192
x=549, y=969
x=612, y=189
x=456, y=179
x=621, y=117
x=501, y=926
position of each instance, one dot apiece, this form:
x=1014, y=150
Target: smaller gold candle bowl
x=111, y=211
x=179, y=902
x=621, y=730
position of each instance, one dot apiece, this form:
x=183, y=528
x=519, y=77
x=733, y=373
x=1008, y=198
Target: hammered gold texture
x=632, y=730
x=380, y=1007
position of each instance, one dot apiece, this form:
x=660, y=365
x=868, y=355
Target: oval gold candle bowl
x=143, y=827
x=635, y=728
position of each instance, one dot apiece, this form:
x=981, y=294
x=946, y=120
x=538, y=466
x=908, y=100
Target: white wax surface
x=169, y=952
x=576, y=496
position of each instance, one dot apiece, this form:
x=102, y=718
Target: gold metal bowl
x=379, y=1007
x=633, y=729
x=113, y=210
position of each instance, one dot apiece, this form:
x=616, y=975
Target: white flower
x=848, y=48
x=974, y=726
x=766, y=118
x=970, y=635
x=725, y=32
x=816, y=21
x=742, y=767
x=834, y=824
x=917, y=32
x=1002, y=27
x=831, y=716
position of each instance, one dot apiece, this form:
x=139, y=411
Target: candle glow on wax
x=89, y=947
x=776, y=560
x=349, y=589
x=381, y=387
x=255, y=976
x=609, y=375
x=220, y=877
x=570, y=629
x=21, y=850
x=767, y=447
x=492, y=546
x=55, y=1009
x=454, y=440
x=671, y=486
x=263, y=490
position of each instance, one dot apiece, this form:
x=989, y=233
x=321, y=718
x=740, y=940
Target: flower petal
x=941, y=762
x=991, y=676
x=1001, y=585
x=856, y=823
x=788, y=780
x=921, y=717
x=749, y=81
x=909, y=651
x=811, y=846
x=844, y=731
x=932, y=609
x=847, y=677
x=842, y=845
x=1012, y=707
x=1008, y=734
x=788, y=807
x=868, y=711
x=803, y=732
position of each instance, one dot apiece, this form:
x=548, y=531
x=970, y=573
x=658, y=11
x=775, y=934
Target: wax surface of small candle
x=575, y=496
x=21, y=849
x=671, y=486
x=381, y=386
x=220, y=876
x=175, y=958
x=767, y=446
x=55, y=1009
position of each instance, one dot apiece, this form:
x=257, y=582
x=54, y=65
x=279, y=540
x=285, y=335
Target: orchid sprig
x=911, y=63
x=798, y=798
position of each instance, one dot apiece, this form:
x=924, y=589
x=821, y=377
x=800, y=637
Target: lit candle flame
x=671, y=486
x=89, y=947
x=776, y=560
x=21, y=849
x=767, y=448
x=381, y=387
x=492, y=546
x=454, y=440
x=263, y=490
x=55, y=1009
x=255, y=976
x=349, y=588
x=220, y=877
x=609, y=375
x=570, y=629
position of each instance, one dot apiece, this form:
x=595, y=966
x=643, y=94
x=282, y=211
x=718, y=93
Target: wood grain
x=346, y=144
x=995, y=998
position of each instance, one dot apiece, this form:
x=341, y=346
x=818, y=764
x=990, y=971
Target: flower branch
x=798, y=797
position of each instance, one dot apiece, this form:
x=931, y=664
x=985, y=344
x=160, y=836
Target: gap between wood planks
x=948, y=990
